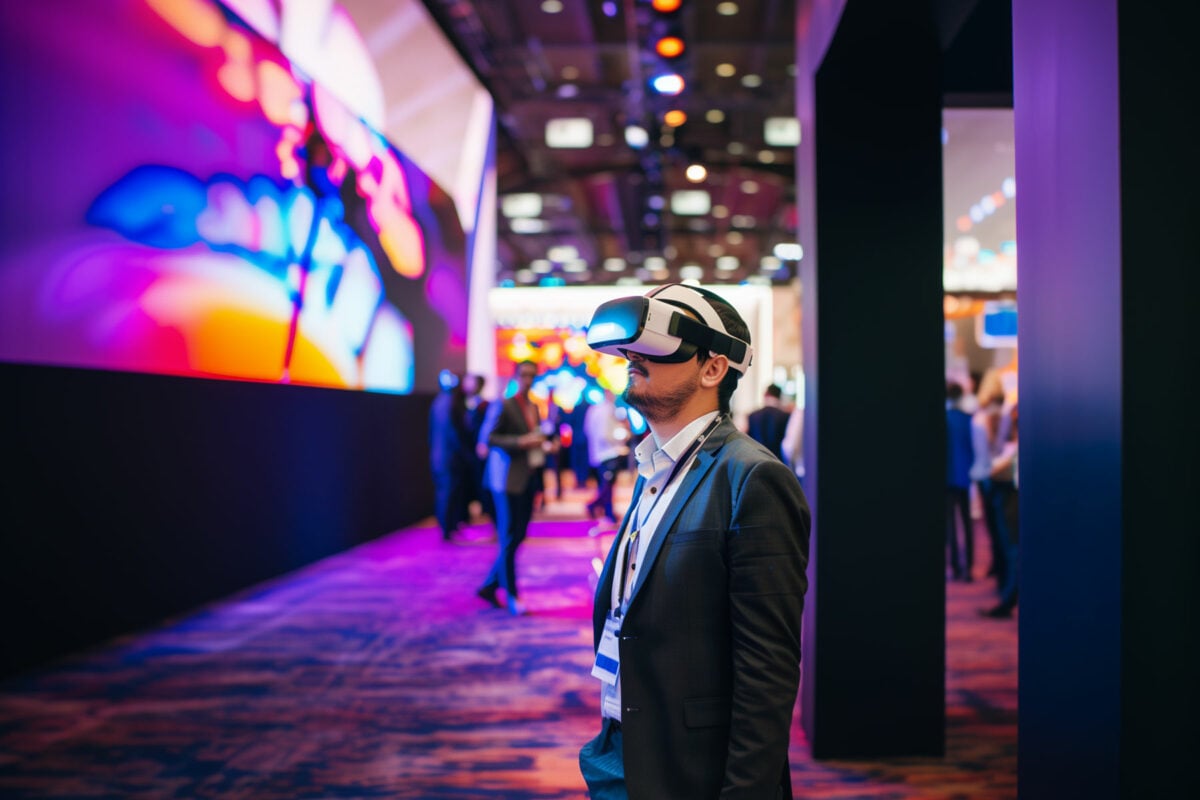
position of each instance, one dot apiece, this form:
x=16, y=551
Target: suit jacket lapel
x=604, y=585
x=687, y=487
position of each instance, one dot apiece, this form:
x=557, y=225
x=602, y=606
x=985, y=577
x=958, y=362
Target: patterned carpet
x=377, y=673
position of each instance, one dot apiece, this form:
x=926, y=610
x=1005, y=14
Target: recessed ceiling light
x=691, y=272
x=751, y=81
x=728, y=263
x=567, y=91
x=789, y=251
x=726, y=70
x=750, y=187
x=735, y=148
x=636, y=137
x=770, y=264
x=655, y=263
x=727, y=9
x=675, y=117
x=742, y=221
x=690, y=202
x=720, y=212
x=781, y=131
x=562, y=253
x=715, y=116
x=614, y=264
x=522, y=204
x=734, y=237
x=766, y=157
x=552, y=6
x=526, y=225
x=715, y=250
x=696, y=173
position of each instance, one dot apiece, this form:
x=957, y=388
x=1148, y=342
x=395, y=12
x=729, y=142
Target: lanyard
x=629, y=562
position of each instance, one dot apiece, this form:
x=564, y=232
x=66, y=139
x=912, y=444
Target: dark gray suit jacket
x=507, y=468
x=710, y=644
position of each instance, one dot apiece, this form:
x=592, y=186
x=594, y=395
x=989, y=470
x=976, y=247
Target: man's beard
x=660, y=406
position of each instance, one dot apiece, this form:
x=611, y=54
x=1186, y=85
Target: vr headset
x=653, y=326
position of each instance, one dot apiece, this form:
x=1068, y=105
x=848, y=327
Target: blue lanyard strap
x=629, y=563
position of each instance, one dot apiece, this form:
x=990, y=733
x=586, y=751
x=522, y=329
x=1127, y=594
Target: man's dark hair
x=736, y=327
x=774, y=391
x=954, y=391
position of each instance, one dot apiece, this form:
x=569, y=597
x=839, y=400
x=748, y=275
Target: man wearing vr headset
x=698, y=607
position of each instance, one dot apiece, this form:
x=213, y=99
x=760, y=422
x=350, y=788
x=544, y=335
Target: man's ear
x=713, y=371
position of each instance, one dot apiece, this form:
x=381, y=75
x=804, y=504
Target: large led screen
x=179, y=198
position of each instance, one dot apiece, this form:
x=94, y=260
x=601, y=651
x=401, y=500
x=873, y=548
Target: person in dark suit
x=515, y=458
x=768, y=424
x=449, y=455
x=698, y=607
x=477, y=408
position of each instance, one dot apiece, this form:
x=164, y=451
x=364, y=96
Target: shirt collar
x=653, y=459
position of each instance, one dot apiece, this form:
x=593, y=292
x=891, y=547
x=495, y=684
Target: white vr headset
x=653, y=326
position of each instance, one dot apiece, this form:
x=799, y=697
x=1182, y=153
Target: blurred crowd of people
x=982, y=472
x=502, y=459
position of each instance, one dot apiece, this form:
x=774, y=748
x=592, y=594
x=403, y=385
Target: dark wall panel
x=128, y=497
x=876, y=629
x=1160, y=170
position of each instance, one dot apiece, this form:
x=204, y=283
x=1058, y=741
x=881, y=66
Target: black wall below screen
x=128, y=498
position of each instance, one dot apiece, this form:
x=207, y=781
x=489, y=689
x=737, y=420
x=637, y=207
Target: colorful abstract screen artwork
x=570, y=374
x=181, y=199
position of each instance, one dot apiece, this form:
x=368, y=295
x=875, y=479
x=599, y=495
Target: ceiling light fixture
x=715, y=116
x=675, y=117
x=727, y=9
x=726, y=70
x=781, y=131
x=696, y=173
x=751, y=81
x=669, y=47
x=569, y=132
x=563, y=253
x=666, y=6
x=788, y=251
x=552, y=6
x=523, y=204
x=636, y=136
x=669, y=84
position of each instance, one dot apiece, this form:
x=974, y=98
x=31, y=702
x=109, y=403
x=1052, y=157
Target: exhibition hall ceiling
x=618, y=201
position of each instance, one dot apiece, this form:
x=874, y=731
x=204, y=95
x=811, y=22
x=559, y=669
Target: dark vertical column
x=1160, y=279
x=1106, y=171
x=875, y=662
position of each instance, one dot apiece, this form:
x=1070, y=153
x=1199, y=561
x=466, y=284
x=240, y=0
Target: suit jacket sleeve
x=508, y=428
x=767, y=549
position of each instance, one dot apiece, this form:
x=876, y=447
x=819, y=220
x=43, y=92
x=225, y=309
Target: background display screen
x=179, y=198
